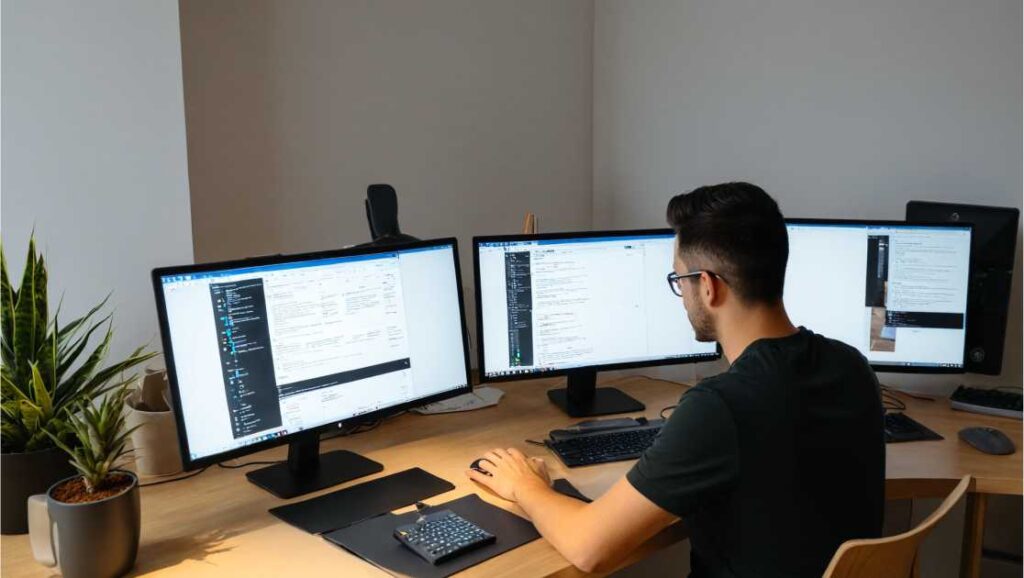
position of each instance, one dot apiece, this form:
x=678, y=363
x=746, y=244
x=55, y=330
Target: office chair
x=382, y=216
x=894, y=556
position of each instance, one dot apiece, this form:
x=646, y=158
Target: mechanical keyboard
x=441, y=536
x=988, y=401
x=601, y=447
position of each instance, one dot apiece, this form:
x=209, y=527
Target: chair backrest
x=895, y=556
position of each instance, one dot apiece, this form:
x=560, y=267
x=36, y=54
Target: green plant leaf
x=9, y=390
x=45, y=384
x=30, y=414
x=101, y=435
x=40, y=296
x=103, y=376
x=42, y=397
x=70, y=353
x=46, y=361
x=71, y=389
x=7, y=297
x=23, y=334
x=69, y=329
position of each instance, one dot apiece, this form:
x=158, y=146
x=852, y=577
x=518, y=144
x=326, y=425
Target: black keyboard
x=901, y=428
x=987, y=401
x=602, y=447
x=441, y=536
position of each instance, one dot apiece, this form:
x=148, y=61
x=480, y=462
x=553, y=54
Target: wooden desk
x=217, y=524
x=931, y=469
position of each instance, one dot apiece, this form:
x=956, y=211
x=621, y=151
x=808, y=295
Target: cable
x=663, y=379
x=192, y=475
x=894, y=403
x=663, y=410
x=238, y=465
x=361, y=427
x=889, y=388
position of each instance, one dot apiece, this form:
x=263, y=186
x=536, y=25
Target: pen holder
x=156, y=440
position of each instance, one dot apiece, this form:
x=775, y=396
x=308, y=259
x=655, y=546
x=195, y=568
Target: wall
x=476, y=111
x=840, y=109
x=93, y=158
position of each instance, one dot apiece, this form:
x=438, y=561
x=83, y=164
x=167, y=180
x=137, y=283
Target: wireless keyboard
x=987, y=401
x=442, y=536
x=601, y=447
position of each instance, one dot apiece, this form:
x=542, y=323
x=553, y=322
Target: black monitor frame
x=993, y=251
x=896, y=368
x=303, y=456
x=581, y=397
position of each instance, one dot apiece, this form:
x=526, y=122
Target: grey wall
x=838, y=109
x=476, y=111
x=94, y=152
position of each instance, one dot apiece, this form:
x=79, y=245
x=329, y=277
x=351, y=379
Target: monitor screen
x=261, y=352
x=550, y=303
x=897, y=292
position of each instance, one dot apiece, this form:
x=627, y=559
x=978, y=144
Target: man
x=772, y=464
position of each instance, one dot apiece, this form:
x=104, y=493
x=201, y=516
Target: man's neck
x=750, y=324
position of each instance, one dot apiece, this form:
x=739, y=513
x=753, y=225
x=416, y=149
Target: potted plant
x=95, y=513
x=47, y=367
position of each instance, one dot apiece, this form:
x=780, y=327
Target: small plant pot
x=87, y=540
x=24, y=474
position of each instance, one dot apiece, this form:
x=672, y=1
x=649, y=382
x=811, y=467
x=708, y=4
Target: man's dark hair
x=737, y=231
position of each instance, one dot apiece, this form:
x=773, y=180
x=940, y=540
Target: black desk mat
x=361, y=501
x=373, y=539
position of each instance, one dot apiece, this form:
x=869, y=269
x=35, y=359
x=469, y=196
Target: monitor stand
x=307, y=470
x=582, y=397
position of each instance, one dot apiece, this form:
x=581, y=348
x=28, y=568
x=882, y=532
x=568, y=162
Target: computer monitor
x=896, y=291
x=995, y=245
x=276, y=350
x=576, y=303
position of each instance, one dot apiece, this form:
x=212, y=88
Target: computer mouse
x=476, y=466
x=988, y=440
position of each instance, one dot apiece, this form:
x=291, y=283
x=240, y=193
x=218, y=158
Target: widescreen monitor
x=273, y=350
x=577, y=303
x=896, y=291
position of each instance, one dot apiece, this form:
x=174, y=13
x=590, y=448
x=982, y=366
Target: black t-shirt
x=775, y=462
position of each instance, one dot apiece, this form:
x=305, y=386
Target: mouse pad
x=373, y=540
x=361, y=501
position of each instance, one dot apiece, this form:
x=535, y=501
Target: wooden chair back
x=894, y=556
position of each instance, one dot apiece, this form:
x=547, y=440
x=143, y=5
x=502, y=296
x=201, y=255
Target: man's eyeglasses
x=675, y=279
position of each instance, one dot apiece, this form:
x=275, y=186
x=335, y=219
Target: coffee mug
x=89, y=540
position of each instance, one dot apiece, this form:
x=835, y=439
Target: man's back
x=775, y=462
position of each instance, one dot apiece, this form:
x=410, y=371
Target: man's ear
x=710, y=291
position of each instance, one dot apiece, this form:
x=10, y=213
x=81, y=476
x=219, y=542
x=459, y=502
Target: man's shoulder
x=714, y=389
x=837, y=346
x=806, y=349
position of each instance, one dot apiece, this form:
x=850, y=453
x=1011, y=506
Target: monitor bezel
x=888, y=367
x=484, y=378
x=190, y=463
